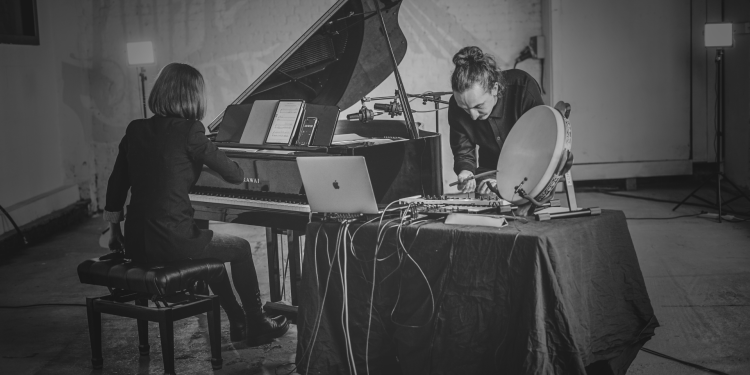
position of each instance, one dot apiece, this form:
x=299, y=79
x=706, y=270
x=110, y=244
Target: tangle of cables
x=346, y=257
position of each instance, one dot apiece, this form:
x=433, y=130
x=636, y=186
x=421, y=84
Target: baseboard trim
x=608, y=171
x=45, y=227
x=39, y=206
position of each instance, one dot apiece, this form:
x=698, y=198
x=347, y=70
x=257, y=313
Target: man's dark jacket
x=520, y=93
x=160, y=159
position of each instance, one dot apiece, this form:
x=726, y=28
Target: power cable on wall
x=13, y=222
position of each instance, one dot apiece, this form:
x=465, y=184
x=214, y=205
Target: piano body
x=339, y=60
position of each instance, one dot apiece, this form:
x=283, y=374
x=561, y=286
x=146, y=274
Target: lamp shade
x=140, y=53
x=718, y=35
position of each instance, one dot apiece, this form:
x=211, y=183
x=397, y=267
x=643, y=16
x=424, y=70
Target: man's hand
x=525, y=209
x=116, y=240
x=484, y=187
x=465, y=184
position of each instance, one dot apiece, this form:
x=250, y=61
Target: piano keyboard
x=249, y=202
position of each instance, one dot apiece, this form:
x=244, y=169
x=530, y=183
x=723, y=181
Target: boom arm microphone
x=364, y=115
x=393, y=108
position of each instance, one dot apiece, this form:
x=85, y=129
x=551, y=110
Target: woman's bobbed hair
x=178, y=92
x=474, y=66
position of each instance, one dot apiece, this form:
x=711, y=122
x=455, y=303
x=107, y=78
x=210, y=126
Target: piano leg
x=294, y=256
x=295, y=263
x=274, y=276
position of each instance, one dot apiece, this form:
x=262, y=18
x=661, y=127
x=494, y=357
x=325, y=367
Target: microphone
x=364, y=115
x=393, y=108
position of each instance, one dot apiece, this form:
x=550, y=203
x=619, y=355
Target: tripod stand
x=719, y=174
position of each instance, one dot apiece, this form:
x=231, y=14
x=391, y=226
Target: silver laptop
x=337, y=184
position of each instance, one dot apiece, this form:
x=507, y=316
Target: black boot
x=262, y=329
x=237, y=324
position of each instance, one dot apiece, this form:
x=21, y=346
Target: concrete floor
x=697, y=273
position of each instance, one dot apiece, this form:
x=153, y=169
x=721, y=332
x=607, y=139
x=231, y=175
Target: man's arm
x=464, y=150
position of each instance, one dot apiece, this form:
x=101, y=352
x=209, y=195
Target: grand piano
x=335, y=63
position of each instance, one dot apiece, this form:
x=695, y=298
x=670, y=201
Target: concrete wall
x=66, y=103
x=625, y=69
x=45, y=147
x=737, y=91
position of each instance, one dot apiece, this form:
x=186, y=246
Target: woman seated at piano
x=159, y=161
x=486, y=103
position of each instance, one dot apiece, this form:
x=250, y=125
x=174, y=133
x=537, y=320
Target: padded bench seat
x=154, y=279
x=172, y=288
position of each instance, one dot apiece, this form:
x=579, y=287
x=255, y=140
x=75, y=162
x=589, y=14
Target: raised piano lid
x=337, y=61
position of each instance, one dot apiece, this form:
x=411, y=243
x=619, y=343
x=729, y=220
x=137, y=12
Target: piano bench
x=177, y=290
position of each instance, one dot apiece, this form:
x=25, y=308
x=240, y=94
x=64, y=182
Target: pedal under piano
x=335, y=63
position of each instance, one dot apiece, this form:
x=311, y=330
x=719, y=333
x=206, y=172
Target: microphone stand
x=719, y=174
x=435, y=97
x=142, y=78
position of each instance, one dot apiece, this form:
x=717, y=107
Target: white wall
x=44, y=151
x=625, y=68
x=737, y=91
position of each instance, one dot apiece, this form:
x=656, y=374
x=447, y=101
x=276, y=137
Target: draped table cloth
x=557, y=297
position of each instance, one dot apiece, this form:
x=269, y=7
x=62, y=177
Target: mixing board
x=444, y=205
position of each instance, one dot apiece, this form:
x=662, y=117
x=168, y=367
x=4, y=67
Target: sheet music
x=284, y=122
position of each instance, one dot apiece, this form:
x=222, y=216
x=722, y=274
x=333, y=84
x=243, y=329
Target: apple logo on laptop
x=335, y=184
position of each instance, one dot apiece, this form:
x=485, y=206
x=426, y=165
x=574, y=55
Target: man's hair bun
x=474, y=66
x=468, y=55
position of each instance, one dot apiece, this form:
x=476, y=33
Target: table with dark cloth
x=557, y=297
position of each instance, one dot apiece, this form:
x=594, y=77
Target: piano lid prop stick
x=454, y=183
x=411, y=126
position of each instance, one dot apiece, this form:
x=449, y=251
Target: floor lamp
x=139, y=54
x=719, y=36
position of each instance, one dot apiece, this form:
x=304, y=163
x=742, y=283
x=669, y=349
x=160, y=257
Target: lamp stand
x=719, y=175
x=142, y=78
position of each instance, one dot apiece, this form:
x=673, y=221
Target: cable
x=346, y=302
x=662, y=218
x=429, y=110
x=316, y=328
x=342, y=278
x=541, y=85
x=283, y=271
x=664, y=201
x=686, y=363
x=13, y=222
x=378, y=243
x=42, y=304
x=638, y=339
